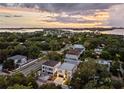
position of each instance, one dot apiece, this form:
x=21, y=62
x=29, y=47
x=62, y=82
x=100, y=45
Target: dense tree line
x=18, y=81
x=91, y=75
x=30, y=44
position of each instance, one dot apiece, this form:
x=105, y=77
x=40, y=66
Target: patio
x=59, y=81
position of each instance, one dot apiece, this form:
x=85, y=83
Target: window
x=61, y=76
x=51, y=69
x=50, y=73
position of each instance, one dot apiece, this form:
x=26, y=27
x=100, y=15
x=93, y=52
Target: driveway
x=59, y=81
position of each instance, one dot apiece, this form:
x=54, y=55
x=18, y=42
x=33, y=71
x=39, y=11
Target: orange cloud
x=34, y=18
x=98, y=16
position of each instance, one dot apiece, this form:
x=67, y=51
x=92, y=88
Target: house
x=72, y=56
x=79, y=47
x=50, y=67
x=18, y=59
x=105, y=62
x=66, y=70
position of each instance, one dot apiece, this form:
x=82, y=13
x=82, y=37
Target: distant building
x=50, y=67
x=79, y=46
x=105, y=62
x=66, y=70
x=98, y=51
x=18, y=59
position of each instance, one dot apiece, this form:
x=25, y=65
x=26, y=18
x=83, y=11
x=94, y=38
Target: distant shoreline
x=114, y=31
x=93, y=29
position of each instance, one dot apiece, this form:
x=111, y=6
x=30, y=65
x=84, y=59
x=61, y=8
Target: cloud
x=62, y=15
x=60, y=7
x=116, y=14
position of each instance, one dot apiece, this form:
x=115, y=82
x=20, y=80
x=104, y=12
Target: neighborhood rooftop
x=17, y=57
x=67, y=66
x=102, y=61
x=74, y=52
x=78, y=46
x=50, y=63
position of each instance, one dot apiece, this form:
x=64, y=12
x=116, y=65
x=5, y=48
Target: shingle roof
x=51, y=63
x=74, y=52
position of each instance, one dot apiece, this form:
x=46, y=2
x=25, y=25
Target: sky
x=61, y=15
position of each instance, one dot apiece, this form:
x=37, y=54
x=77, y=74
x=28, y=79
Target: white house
x=18, y=59
x=66, y=70
x=50, y=67
x=72, y=56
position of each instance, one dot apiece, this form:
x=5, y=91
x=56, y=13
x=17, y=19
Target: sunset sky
x=61, y=15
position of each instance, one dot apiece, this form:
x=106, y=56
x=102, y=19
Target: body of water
x=115, y=31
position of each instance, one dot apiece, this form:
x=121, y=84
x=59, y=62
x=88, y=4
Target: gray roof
x=78, y=46
x=67, y=66
x=74, y=52
x=17, y=57
x=50, y=63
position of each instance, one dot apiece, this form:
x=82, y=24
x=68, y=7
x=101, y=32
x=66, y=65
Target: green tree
x=31, y=80
x=117, y=84
x=55, y=56
x=33, y=51
x=3, y=82
x=17, y=86
x=50, y=86
x=9, y=64
x=89, y=75
x=17, y=78
x=105, y=55
x=115, y=68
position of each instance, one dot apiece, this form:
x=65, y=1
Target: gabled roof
x=17, y=57
x=50, y=63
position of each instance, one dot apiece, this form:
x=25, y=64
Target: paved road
x=34, y=67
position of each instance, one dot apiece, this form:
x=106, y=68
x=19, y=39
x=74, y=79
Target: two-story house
x=66, y=70
x=50, y=67
x=72, y=56
x=80, y=47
